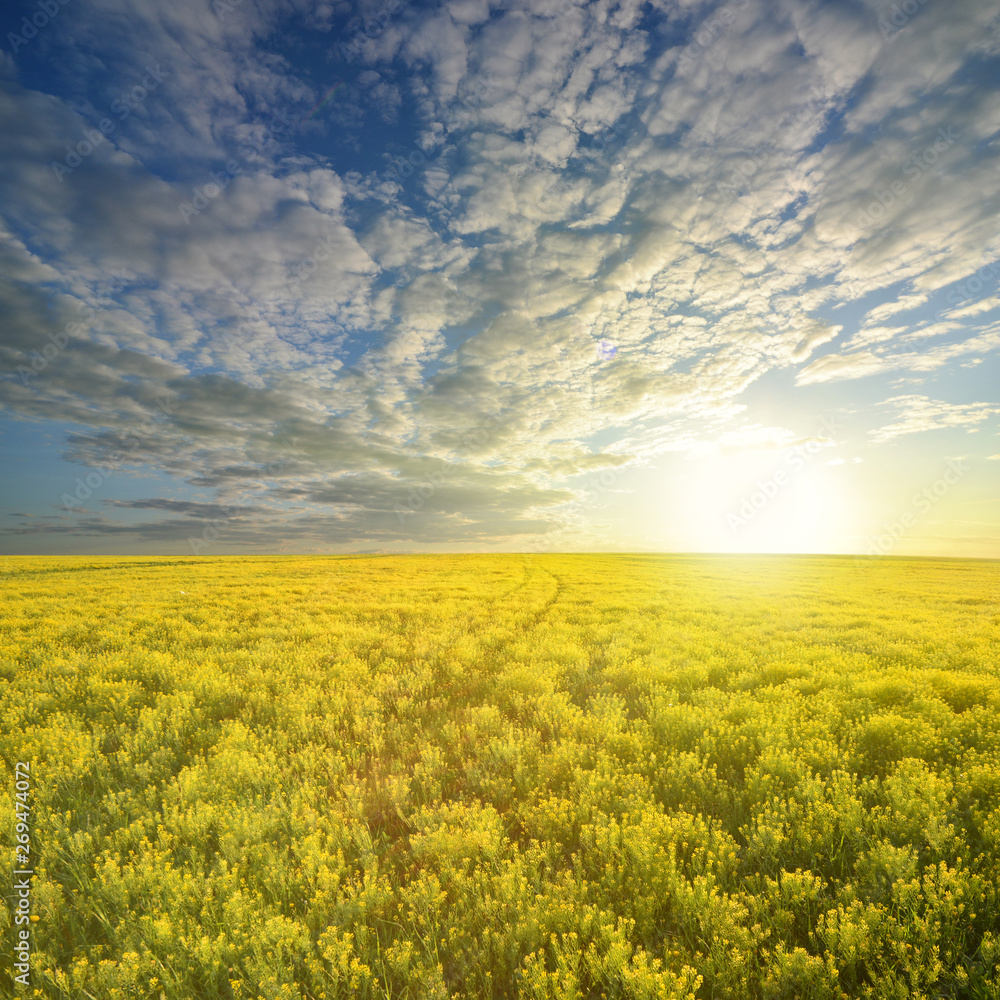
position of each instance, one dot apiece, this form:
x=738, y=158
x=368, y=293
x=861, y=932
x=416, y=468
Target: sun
x=764, y=502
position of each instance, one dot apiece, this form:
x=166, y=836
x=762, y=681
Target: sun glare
x=764, y=502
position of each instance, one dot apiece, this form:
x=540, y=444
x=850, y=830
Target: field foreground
x=551, y=777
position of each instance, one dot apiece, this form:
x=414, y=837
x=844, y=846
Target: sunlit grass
x=495, y=776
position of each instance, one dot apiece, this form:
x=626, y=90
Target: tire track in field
x=507, y=620
x=514, y=615
x=545, y=610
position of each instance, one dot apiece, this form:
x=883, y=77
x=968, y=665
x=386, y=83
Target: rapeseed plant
x=547, y=776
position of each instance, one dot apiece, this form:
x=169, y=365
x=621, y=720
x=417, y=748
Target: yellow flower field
x=552, y=777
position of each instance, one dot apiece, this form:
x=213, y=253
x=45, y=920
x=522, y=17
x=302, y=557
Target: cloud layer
x=396, y=275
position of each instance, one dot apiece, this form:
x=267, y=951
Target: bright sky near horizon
x=541, y=274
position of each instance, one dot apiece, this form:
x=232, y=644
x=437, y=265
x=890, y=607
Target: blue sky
x=397, y=276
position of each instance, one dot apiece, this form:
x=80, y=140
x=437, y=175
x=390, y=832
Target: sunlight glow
x=765, y=502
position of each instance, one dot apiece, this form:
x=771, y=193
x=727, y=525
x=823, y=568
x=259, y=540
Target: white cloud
x=918, y=413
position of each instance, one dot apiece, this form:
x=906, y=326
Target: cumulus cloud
x=500, y=246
